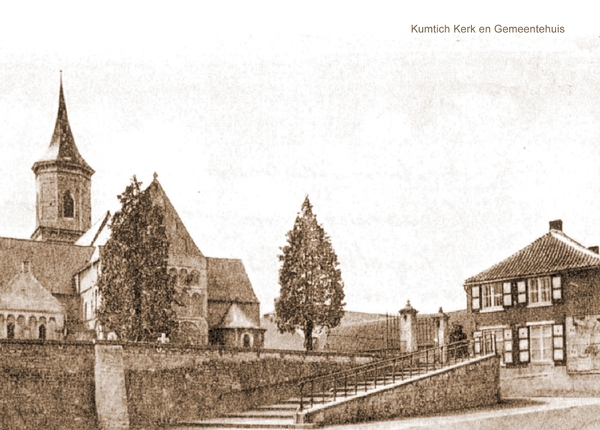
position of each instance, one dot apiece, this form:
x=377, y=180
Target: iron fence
x=350, y=382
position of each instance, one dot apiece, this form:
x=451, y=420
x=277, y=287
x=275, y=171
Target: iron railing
x=325, y=388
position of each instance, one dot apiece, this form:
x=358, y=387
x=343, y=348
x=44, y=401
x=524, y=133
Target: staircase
x=320, y=391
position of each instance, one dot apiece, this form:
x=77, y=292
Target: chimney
x=595, y=249
x=556, y=225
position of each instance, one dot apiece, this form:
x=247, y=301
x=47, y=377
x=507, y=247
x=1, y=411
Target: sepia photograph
x=280, y=215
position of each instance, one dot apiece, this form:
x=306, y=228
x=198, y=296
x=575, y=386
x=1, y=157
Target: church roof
x=553, y=252
x=228, y=281
x=62, y=147
x=183, y=250
x=98, y=234
x=53, y=264
x=236, y=318
x=25, y=293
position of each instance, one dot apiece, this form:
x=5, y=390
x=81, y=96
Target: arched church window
x=10, y=330
x=42, y=332
x=68, y=205
x=195, y=277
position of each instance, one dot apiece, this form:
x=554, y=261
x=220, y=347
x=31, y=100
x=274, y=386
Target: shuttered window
x=541, y=340
x=491, y=296
x=539, y=291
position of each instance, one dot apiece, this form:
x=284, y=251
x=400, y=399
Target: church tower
x=63, y=185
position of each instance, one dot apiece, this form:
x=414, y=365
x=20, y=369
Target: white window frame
x=495, y=297
x=536, y=331
x=536, y=288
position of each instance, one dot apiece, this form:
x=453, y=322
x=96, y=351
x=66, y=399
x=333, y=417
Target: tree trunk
x=308, y=329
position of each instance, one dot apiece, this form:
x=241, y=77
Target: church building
x=48, y=283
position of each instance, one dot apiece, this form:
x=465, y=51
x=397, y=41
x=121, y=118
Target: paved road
x=512, y=414
x=517, y=414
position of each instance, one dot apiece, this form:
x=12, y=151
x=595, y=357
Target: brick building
x=543, y=305
x=49, y=281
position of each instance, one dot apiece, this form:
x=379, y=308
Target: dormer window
x=68, y=205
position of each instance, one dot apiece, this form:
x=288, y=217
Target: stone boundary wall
x=170, y=384
x=465, y=385
x=55, y=384
x=47, y=385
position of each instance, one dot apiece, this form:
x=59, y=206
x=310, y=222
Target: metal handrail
x=361, y=378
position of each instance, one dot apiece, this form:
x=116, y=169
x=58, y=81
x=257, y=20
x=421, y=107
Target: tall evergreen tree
x=312, y=290
x=137, y=293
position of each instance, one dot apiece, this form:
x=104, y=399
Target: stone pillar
x=110, y=393
x=408, y=328
x=442, y=332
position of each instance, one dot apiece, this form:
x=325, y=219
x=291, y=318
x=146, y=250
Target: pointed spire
x=62, y=145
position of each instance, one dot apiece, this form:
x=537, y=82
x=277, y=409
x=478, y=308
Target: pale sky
x=427, y=158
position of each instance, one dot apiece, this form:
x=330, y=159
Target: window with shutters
x=491, y=297
x=541, y=343
x=540, y=291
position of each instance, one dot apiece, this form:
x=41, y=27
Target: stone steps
x=282, y=415
x=263, y=413
x=243, y=423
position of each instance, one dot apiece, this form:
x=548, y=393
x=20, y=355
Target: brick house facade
x=542, y=303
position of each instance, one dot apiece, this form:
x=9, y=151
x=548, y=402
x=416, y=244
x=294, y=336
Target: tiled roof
x=24, y=293
x=53, y=264
x=228, y=281
x=62, y=147
x=236, y=318
x=551, y=253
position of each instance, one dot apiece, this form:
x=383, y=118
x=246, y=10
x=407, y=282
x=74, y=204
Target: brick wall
x=178, y=384
x=46, y=385
x=465, y=385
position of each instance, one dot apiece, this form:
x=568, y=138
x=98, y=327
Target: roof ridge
x=546, y=254
x=44, y=242
x=223, y=258
x=570, y=241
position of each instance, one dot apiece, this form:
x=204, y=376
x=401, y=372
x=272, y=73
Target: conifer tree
x=312, y=290
x=137, y=293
